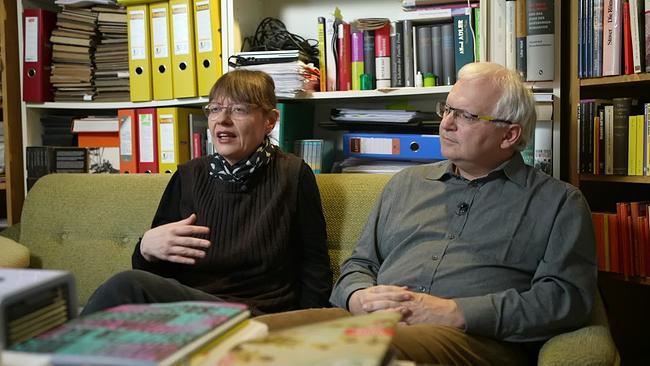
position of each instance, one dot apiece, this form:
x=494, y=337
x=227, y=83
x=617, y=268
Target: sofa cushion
x=88, y=223
x=347, y=201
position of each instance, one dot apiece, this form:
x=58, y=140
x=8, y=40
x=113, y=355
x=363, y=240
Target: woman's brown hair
x=245, y=86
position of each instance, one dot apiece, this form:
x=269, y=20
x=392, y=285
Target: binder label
x=137, y=34
x=31, y=39
x=159, y=28
x=371, y=145
x=166, y=138
x=146, y=138
x=180, y=29
x=126, y=148
x=203, y=26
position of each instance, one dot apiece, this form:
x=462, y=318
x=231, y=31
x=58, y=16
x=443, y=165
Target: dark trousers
x=141, y=287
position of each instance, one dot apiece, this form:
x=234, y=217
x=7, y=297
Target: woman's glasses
x=237, y=111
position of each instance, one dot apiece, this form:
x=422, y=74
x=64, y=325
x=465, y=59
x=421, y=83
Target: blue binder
x=392, y=146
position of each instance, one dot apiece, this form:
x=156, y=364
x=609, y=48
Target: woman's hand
x=173, y=242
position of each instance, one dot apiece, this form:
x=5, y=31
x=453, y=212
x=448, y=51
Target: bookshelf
x=626, y=298
x=240, y=18
x=12, y=189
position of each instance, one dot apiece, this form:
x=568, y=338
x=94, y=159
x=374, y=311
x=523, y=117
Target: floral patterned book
x=138, y=334
x=351, y=341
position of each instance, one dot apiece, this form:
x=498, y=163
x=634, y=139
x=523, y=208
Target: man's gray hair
x=516, y=103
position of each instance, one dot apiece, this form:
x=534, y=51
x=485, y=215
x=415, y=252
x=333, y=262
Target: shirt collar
x=514, y=169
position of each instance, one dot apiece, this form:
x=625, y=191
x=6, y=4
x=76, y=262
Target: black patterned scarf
x=242, y=170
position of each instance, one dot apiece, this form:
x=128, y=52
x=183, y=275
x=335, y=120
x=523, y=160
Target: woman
x=244, y=224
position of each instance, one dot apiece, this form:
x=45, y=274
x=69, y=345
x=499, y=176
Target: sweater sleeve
x=314, y=271
x=168, y=211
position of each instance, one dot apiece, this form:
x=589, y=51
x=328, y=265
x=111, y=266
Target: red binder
x=147, y=131
x=37, y=55
x=128, y=141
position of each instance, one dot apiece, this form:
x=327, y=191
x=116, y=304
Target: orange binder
x=128, y=141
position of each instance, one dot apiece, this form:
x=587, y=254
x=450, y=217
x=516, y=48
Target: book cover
x=369, y=56
x=396, y=56
x=598, y=39
x=382, y=57
x=355, y=340
x=628, y=65
x=322, y=54
x=424, y=46
x=344, y=57
x=511, y=38
x=137, y=334
x=407, y=52
x=612, y=30
x=463, y=40
x=620, y=124
x=647, y=35
x=540, y=41
x=520, y=34
x=448, y=57
x=357, y=58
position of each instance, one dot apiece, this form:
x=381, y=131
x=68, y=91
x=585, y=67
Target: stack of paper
x=290, y=78
x=111, y=56
x=73, y=43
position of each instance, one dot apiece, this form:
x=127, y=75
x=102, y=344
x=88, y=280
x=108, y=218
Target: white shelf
x=388, y=92
x=118, y=105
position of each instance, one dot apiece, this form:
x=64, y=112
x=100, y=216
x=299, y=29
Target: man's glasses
x=444, y=109
x=237, y=111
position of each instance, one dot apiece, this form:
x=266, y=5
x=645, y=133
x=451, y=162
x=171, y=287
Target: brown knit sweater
x=268, y=235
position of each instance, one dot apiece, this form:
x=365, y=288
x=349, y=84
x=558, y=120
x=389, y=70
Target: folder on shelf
x=37, y=57
x=98, y=139
x=128, y=141
x=147, y=140
x=392, y=146
x=182, y=36
x=173, y=137
x=295, y=123
x=161, y=58
x=207, y=30
x=139, y=53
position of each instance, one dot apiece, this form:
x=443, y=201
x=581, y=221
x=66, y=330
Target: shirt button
x=244, y=188
x=435, y=258
x=451, y=236
x=422, y=289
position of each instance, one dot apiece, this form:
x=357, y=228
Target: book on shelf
x=540, y=40
x=139, y=334
x=354, y=340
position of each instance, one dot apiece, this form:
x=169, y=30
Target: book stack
x=622, y=239
x=56, y=129
x=142, y=334
x=111, y=55
x=317, y=153
x=612, y=37
x=73, y=42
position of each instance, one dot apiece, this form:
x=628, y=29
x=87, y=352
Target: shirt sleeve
x=314, y=272
x=168, y=211
x=562, y=289
x=360, y=270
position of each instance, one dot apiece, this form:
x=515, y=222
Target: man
x=482, y=255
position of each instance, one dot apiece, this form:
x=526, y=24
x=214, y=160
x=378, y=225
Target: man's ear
x=511, y=135
x=271, y=119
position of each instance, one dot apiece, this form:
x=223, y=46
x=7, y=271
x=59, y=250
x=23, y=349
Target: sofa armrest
x=14, y=254
x=590, y=345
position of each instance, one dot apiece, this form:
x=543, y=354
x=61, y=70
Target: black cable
x=272, y=35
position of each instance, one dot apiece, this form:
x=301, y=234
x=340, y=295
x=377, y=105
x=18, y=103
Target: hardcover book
x=137, y=334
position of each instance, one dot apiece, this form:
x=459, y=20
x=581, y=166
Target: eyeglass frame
x=468, y=116
x=207, y=109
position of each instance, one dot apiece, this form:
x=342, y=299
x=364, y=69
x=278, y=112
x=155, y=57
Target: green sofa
x=89, y=223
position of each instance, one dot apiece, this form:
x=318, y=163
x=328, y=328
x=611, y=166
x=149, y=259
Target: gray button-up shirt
x=514, y=249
